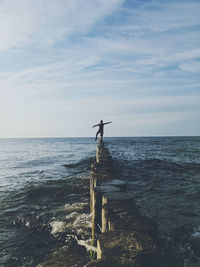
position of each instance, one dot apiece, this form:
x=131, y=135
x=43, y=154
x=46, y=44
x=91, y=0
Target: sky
x=67, y=64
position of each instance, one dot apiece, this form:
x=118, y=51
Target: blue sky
x=65, y=65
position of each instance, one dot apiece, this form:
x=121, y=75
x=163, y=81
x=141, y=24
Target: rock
x=103, y=263
x=123, y=216
x=126, y=247
x=67, y=257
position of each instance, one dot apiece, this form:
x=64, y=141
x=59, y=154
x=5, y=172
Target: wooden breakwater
x=123, y=236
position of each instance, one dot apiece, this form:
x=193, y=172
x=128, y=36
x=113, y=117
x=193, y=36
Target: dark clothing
x=101, y=128
x=100, y=131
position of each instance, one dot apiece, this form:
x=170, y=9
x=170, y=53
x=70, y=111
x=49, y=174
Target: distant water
x=44, y=192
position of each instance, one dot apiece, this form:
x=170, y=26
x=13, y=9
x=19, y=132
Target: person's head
x=101, y=121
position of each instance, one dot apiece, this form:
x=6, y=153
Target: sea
x=44, y=194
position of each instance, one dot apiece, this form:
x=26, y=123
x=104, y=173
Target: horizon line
x=67, y=137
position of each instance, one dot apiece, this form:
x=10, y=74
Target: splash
x=57, y=227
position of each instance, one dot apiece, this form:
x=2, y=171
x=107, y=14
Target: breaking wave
x=82, y=163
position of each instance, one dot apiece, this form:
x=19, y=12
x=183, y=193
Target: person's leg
x=101, y=134
x=97, y=135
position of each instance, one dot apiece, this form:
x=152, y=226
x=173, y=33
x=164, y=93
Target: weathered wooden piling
x=101, y=171
x=97, y=194
x=123, y=235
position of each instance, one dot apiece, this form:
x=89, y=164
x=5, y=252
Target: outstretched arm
x=95, y=125
x=108, y=122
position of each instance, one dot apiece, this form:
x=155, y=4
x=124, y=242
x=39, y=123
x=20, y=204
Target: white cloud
x=191, y=66
x=25, y=22
x=132, y=70
x=157, y=16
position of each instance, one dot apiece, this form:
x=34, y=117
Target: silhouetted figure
x=101, y=126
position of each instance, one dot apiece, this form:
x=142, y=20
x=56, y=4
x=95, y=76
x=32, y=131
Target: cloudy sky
x=67, y=64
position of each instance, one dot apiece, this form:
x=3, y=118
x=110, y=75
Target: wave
x=77, y=206
x=75, y=222
x=82, y=163
x=164, y=164
x=38, y=162
x=46, y=194
x=32, y=222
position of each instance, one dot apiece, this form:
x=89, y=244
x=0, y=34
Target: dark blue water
x=44, y=192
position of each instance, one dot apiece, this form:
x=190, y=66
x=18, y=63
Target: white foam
x=83, y=220
x=87, y=244
x=80, y=231
x=57, y=227
x=72, y=215
x=75, y=206
x=27, y=224
x=196, y=235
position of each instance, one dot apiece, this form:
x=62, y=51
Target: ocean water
x=44, y=193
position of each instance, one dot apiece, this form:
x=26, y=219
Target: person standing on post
x=101, y=127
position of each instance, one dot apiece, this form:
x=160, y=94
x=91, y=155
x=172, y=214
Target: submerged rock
x=126, y=247
x=72, y=256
